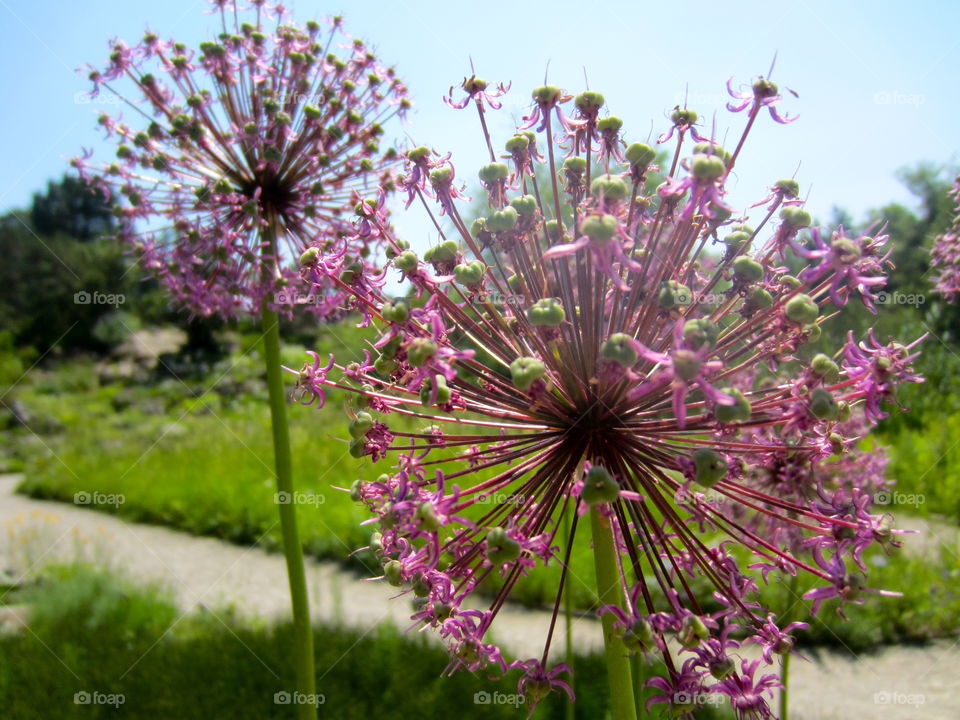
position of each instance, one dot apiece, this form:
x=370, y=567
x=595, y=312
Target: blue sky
x=876, y=80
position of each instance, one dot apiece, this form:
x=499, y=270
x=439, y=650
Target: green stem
x=292, y=549
x=608, y=590
x=569, y=710
x=785, y=660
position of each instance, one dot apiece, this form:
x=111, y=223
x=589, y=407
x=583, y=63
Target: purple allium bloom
x=234, y=158
x=582, y=347
x=945, y=256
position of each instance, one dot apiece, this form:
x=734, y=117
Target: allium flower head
x=232, y=157
x=945, y=257
x=587, y=347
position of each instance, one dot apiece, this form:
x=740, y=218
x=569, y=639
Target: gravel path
x=898, y=683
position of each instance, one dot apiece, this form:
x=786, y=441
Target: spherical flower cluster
x=945, y=257
x=647, y=357
x=232, y=157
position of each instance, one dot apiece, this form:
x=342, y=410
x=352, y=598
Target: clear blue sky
x=877, y=80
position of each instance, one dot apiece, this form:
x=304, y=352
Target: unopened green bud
x=501, y=548
x=494, y=172
x=420, y=350
x=395, y=311
x=525, y=371
x=710, y=467
x=619, y=348
x=609, y=187
x=823, y=405
x=640, y=155
x=599, y=486
x=599, y=228
x=747, y=270
x=801, y=309
x=546, y=312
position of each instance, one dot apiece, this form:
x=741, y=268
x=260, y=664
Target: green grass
x=95, y=633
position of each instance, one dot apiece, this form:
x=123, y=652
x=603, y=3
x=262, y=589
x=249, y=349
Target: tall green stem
x=286, y=499
x=569, y=711
x=785, y=660
x=292, y=549
x=608, y=589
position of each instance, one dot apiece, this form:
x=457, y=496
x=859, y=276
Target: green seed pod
x=546, y=312
x=757, y=299
x=790, y=282
x=355, y=487
x=426, y=515
x=619, y=348
x=692, y=631
x=599, y=487
x=699, y=332
x=609, y=187
x=589, y=102
x=639, y=636
x=710, y=467
x=393, y=571
x=735, y=241
x=310, y=256
x=801, y=309
x=722, y=668
x=494, y=172
x=683, y=116
x=738, y=412
x=673, y=294
x=825, y=367
x=707, y=148
x=547, y=94
x=502, y=220
x=554, y=230
x=686, y=364
x=358, y=448
x=407, y=261
x=418, y=153
x=823, y=405
x=811, y=332
x=443, y=391
x=788, y=187
x=395, y=311
x=440, y=176
x=747, y=270
x=518, y=143
x=420, y=350
x=526, y=205
x=599, y=228
x=470, y=274
x=421, y=588
x=640, y=155
x=444, y=252
x=708, y=168
x=525, y=371
x=795, y=218
x=361, y=424
x=501, y=548
x=610, y=124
